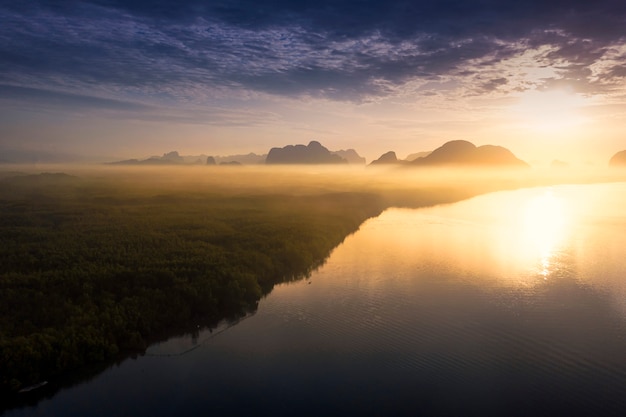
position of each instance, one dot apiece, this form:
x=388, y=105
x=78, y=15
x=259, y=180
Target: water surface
x=512, y=303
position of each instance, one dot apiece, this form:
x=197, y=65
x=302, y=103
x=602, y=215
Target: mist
x=397, y=185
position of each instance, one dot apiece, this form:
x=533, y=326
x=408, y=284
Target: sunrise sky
x=130, y=79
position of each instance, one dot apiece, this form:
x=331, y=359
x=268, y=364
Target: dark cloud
x=398, y=18
x=345, y=50
x=618, y=71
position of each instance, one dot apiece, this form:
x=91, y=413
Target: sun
x=549, y=111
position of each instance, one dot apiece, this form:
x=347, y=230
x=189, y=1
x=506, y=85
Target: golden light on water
x=519, y=238
x=524, y=232
x=544, y=223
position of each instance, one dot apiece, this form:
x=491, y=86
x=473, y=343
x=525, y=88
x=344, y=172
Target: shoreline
x=322, y=201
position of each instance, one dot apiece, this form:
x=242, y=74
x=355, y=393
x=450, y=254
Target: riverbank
x=93, y=269
x=99, y=263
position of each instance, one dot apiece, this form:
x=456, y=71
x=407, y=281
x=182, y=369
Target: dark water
x=508, y=304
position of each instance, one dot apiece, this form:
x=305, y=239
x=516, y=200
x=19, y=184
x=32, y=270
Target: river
x=511, y=303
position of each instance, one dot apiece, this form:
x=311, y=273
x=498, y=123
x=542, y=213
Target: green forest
x=91, y=270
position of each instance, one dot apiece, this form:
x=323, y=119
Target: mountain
x=388, y=158
x=173, y=158
x=170, y=158
x=414, y=156
x=313, y=153
x=247, y=159
x=618, y=160
x=462, y=152
x=455, y=151
x=351, y=156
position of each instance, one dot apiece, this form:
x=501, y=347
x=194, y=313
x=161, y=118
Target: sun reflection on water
x=545, y=219
x=521, y=239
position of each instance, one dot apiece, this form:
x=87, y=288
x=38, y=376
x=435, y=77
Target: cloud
x=194, y=51
x=618, y=71
x=205, y=115
x=68, y=100
x=493, y=84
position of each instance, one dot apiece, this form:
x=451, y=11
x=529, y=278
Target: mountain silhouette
x=618, y=160
x=351, y=156
x=243, y=159
x=170, y=158
x=173, y=158
x=387, y=158
x=462, y=152
x=414, y=156
x=313, y=153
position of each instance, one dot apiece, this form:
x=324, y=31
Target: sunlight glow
x=544, y=224
x=551, y=111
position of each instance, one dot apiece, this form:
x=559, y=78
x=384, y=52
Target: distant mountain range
x=170, y=158
x=173, y=158
x=313, y=153
x=459, y=152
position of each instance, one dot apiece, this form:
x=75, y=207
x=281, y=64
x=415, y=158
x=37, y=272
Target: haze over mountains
x=313, y=153
x=173, y=158
x=462, y=152
x=457, y=152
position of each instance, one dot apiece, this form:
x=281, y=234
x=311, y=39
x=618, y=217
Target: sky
x=134, y=78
